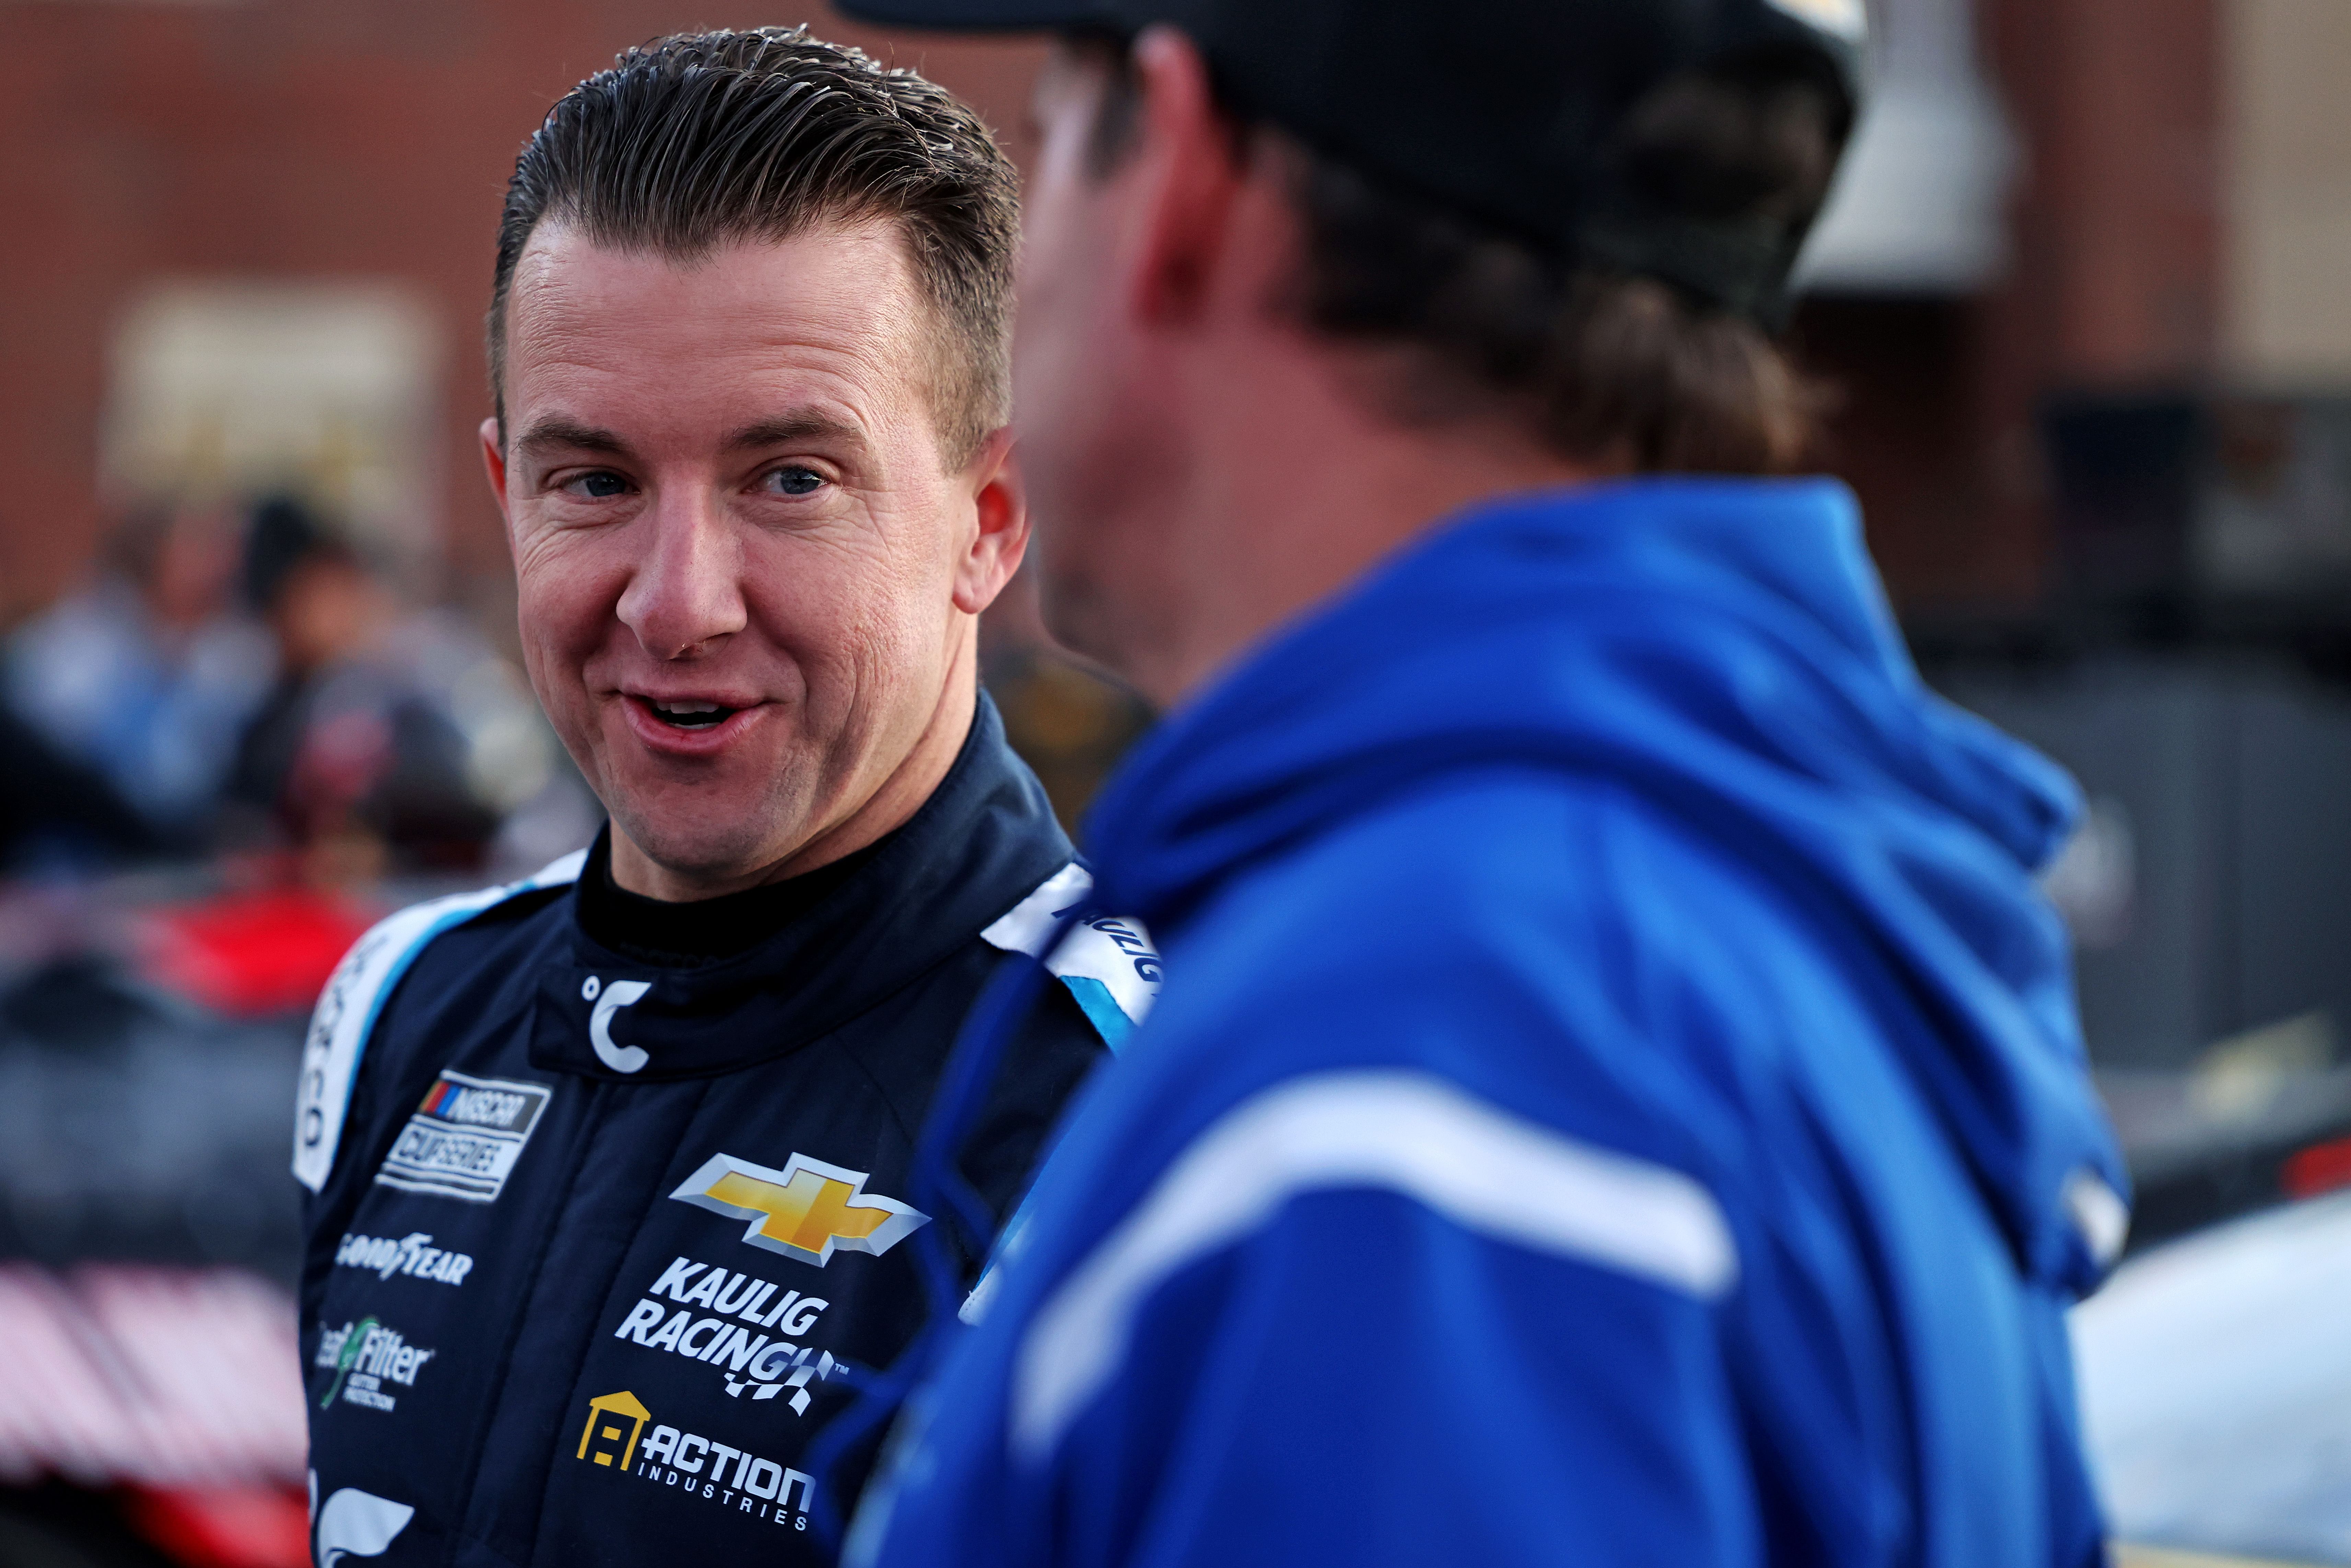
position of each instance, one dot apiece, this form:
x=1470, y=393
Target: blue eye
x=796, y=481
x=601, y=486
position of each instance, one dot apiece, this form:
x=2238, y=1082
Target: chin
x=702, y=844
x=1086, y=621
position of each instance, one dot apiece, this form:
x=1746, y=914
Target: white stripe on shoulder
x=2099, y=1213
x=355, y=994
x=1106, y=958
x=1419, y=1136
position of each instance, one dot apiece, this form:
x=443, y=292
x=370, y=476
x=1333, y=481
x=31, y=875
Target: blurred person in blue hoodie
x=1618, y=1096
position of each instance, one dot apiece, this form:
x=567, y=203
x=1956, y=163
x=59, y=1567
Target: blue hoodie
x=1617, y=1099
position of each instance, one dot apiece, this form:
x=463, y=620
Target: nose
x=685, y=593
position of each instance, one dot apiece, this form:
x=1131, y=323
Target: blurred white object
x=356, y=1523
x=256, y=385
x=160, y=1377
x=2095, y=879
x=1918, y=205
x=2242, y=1078
x=2216, y=1387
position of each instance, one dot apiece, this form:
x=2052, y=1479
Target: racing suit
x=608, y=1197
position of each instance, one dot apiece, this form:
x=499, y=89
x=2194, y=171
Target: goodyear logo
x=806, y=1210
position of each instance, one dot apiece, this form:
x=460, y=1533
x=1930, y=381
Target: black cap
x=1515, y=124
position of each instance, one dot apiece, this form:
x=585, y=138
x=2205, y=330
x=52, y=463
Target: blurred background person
x=355, y=757
x=140, y=682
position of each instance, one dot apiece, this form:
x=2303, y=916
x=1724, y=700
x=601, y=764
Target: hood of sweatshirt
x=1724, y=648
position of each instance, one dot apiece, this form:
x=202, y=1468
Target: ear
x=1190, y=174
x=1000, y=509
x=493, y=458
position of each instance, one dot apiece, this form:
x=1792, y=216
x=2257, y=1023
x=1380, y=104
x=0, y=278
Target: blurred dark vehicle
x=2192, y=667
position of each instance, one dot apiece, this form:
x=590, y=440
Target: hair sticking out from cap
x=1602, y=360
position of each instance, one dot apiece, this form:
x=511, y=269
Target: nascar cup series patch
x=465, y=1138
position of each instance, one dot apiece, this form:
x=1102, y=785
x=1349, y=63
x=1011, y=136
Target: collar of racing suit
x=638, y=997
x=682, y=935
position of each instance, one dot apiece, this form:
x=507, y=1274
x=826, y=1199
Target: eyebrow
x=805, y=426
x=558, y=432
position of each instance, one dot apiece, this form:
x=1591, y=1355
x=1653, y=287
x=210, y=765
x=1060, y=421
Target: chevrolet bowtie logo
x=804, y=1210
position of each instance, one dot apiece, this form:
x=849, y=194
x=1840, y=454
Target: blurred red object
x=255, y=953
x=2322, y=1167
x=246, y=1528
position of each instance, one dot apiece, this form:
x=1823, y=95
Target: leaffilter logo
x=805, y=1211
x=365, y=1357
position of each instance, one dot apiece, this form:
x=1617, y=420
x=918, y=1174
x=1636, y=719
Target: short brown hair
x=702, y=139
x=1600, y=361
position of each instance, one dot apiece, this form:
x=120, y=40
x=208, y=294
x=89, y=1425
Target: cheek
x=1046, y=355
x=820, y=606
x=563, y=604
x=865, y=619
x=1060, y=299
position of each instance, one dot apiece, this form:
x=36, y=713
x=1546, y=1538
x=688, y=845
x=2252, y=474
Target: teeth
x=689, y=714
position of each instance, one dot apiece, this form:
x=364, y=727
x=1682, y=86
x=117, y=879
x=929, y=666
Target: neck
x=870, y=815
x=1303, y=484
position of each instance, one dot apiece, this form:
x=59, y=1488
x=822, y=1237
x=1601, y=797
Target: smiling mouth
x=690, y=715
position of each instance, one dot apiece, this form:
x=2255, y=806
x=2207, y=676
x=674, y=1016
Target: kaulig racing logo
x=719, y=1320
x=693, y=1465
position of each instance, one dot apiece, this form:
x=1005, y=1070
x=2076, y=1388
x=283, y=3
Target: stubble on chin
x=706, y=843
x=1126, y=633
x=706, y=836
x=1076, y=612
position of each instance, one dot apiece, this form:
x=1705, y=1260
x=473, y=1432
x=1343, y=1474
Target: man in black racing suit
x=609, y=1169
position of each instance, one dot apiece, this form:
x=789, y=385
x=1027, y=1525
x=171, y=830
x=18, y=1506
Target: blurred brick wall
x=285, y=140
x=2113, y=286
x=336, y=139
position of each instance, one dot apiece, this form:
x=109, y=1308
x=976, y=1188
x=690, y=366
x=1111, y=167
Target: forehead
x=653, y=344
